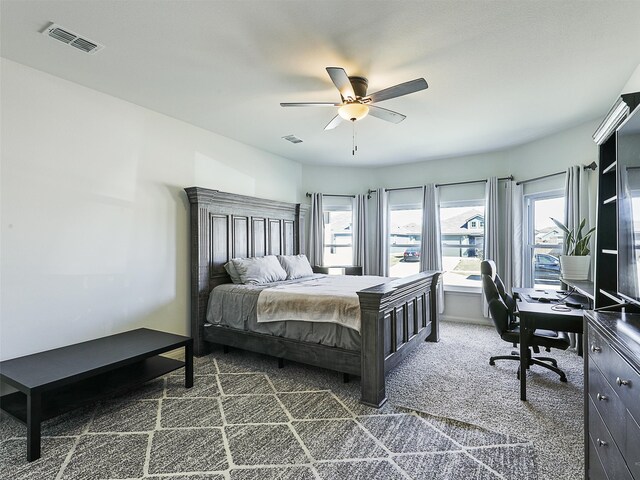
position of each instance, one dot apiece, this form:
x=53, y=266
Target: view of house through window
x=462, y=234
x=338, y=236
x=544, y=240
x=405, y=232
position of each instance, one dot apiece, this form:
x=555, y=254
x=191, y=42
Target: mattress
x=235, y=306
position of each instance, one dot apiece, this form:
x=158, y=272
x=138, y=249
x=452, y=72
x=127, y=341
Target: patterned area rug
x=245, y=419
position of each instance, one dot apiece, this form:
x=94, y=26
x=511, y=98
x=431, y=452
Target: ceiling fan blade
x=399, y=90
x=384, y=114
x=310, y=104
x=335, y=121
x=341, y=80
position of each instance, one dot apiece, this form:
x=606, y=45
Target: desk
x=535, y=315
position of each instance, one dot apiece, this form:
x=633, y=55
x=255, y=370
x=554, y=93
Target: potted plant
x=574, y=264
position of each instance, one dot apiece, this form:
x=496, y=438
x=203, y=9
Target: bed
x=394, y=316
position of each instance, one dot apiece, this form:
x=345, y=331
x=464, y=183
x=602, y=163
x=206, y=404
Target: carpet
x=246, y=419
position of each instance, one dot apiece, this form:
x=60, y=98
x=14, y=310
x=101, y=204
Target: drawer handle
x=601, y=443
x=601, y=397
x=595, y=349
x=622, y=382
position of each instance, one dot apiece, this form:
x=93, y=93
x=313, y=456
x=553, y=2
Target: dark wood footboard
x=395, y=317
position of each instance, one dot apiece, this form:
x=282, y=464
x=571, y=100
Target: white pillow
x=233, y=273
x=296, y=266
x=259, y=269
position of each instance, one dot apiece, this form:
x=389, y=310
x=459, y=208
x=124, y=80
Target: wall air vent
x=64, y=35
x=292, y=139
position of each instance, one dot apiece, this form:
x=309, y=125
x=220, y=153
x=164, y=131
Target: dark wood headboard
x=226, y=225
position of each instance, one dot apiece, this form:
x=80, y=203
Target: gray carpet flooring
x=449, y=416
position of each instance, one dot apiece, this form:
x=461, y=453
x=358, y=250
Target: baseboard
x=474, y=321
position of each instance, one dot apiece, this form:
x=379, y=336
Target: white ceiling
x=500, y=73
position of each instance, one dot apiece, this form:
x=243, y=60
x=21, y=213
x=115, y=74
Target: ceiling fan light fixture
x=353, y=111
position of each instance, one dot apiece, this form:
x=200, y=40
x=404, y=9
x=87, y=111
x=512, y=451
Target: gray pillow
x=233, y=273
x=259, y=269
x=296, y=266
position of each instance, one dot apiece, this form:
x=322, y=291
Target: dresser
x=612, y=396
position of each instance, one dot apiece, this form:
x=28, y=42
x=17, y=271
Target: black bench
x=55, y=381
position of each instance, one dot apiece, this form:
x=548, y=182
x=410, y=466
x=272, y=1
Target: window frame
x=461, y=204
x=326, y=209
x=529, y=231
x=403, y=206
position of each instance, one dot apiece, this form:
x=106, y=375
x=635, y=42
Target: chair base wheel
x=491, y=362
x=563, y=379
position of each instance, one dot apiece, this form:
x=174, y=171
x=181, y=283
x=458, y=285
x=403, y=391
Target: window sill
x=462, y=289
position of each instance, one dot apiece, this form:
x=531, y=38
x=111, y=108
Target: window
x=462, y=235
x=544, y=240
x=338, y=235
x=405, y=234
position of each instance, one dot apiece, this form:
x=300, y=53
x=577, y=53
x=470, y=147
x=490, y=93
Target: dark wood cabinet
x=612, y=395
x=606, y=248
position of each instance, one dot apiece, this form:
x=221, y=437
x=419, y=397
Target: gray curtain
x=380, y=262
x=490, y=229
x=576, y=198
x=576, y=207
x=316, y=231
x=431, y=247
x=360, y=221
x=517, y=228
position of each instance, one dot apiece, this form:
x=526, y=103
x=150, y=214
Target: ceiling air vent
x=65, y=35
x=292, y=139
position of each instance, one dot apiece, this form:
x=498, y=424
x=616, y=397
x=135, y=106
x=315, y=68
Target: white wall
x=94, y=225
x=633, y=84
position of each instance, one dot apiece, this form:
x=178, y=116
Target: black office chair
x=502, y=308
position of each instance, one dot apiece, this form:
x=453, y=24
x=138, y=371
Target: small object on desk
x=543, y=299
x=572, y=304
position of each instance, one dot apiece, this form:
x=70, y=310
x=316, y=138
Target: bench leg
x=34, y=412
x=188, y=364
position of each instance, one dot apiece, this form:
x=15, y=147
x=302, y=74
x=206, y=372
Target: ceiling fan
x=356, y=104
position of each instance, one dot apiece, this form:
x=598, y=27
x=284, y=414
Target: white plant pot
x=575, y=268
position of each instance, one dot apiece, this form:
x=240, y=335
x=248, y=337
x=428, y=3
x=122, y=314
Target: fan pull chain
x=354, y=147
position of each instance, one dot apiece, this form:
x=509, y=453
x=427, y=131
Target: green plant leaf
x=561, y=226
x=576, y=243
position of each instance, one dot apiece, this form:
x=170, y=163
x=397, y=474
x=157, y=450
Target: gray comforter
x=235, y=306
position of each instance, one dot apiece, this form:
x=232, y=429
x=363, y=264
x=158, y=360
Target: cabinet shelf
x=610, y=168
x=610, y=252
x=609, y=200
x=611, y=296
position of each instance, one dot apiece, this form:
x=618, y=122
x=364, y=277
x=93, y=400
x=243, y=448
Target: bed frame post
x=372, y=350
x=434, y=336
x=199, y=260
x=408, y=307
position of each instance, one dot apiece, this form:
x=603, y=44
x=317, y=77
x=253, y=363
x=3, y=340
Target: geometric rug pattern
x=244, y=423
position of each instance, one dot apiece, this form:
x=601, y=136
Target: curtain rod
x=332, y=195
x=591, y=166
x=510, y=177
